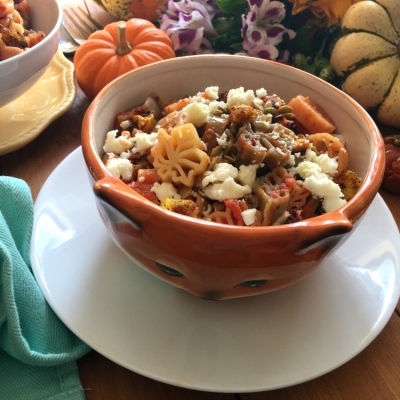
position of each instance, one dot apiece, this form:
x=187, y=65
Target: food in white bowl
x=16, y=33
x=19, y=70
x=238, y=157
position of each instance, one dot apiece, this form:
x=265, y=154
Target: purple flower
x=261, y=28
x=188, y=23
x=265, y=51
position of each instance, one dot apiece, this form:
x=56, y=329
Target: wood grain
x=103, y=379
x=372, y=375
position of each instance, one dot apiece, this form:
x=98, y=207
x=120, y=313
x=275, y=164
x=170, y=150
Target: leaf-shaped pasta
x=179, y=157
x=224, y=217
x=327, y=143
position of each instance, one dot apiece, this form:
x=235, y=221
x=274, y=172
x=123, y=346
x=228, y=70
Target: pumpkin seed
x=289, y=115
x=185, y=192
x=228, y=159
x=271, y=110
x=285, y=109
x=216, y=151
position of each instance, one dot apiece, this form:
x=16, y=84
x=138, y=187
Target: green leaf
x=224, y=24
x=319, y=63
x=232, y=6
x=302, y=42
x=299, y=61
x=328, y=74
x=237, y=47
x=310, y=69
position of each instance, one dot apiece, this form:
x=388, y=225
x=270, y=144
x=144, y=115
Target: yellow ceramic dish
x=26, y=117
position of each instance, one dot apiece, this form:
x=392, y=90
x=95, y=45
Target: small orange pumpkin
x=119, y=48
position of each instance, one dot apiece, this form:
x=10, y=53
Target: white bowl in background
x=19, y=73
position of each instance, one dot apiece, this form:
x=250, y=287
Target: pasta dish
x=16, y=34
x=237, y=157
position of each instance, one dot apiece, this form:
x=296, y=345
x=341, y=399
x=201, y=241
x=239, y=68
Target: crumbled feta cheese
x=196, y=113
x=125, y=154
x=120, y=167
x=223, y=185
x=226, y=190
x=263, y=124
x=261, y=92
x=332, y=203
x=212, y=92
x=239, y=96
x=291, y=161
x=249, y=216
x=327, y=164
x=258, y=103
x=199, y=98
x=125, y=124
x=320, y=185
x=144, y=141
x=116, y=144
x=222, y=140
x=247, y=174
x=164, y=190
x=221, y=172
x=215, y=107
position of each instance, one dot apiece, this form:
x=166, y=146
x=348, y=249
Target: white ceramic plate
x=26, y=117
x=241, y=345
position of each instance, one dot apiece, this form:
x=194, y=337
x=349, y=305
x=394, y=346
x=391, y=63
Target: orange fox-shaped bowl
x=211, y=260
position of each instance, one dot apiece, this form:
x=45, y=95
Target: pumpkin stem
x=123, y=46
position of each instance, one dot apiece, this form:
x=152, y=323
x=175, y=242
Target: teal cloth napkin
x=37, y=351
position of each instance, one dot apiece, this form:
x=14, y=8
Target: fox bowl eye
x=169, y=270
x=253, y=284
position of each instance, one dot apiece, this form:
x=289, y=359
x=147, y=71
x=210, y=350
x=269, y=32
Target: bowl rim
x=356, y=206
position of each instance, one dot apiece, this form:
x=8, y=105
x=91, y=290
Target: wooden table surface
x=374, y=374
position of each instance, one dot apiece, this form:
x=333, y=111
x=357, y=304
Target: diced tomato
x=177, y=106
x=23, y=7
x=204, y=95
x=144, y=189
x=282, y=190
x=311, y=116
x=149, y=176
x=274, y=194
x=290, y=181
x=234, y=206
x=35, y=38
